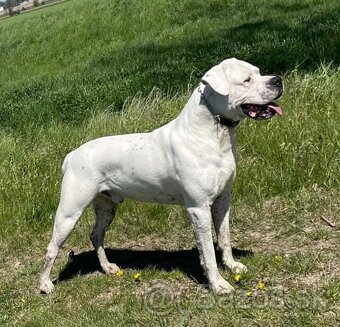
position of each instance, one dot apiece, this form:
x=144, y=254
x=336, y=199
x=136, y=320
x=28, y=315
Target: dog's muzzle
x=266, y=111
x=275, y=84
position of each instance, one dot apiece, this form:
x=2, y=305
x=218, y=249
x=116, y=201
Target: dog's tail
x=65, y=163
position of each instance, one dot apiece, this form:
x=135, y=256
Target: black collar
x=218, y=119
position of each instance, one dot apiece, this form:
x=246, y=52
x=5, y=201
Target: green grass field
x=84, y=69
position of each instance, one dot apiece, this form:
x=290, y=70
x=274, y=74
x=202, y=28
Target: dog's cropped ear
x=217, y=79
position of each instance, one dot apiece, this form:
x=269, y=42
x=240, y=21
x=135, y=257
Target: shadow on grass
x=186, y=261
x=276, y=45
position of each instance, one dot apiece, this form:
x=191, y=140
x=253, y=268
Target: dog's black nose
x=276, y=81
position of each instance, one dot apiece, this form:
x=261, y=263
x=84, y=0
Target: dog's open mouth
x=263, y=111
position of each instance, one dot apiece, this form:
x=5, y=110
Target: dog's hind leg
x=105, y=210
x=75, y=197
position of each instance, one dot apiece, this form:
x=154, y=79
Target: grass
x=53, y=74
x=85, y=69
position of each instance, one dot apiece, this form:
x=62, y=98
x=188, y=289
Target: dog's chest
x=214, y=164
x=226, y=164
x=225, y=173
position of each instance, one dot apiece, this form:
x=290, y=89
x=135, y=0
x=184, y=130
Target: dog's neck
x=218, y=118
x=197, y=117
x=199, y=126
x=216, y=104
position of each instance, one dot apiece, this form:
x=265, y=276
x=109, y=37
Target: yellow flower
x=249, y=293
x=136, y=276
x=120, y=273
x=260, y=285
x=278, y=258
x=237, y=278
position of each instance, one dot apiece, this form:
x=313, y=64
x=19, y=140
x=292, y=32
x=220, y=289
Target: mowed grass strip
x=63, y=62
x=85, y=69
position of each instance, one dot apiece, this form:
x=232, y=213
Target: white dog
x=189, y=161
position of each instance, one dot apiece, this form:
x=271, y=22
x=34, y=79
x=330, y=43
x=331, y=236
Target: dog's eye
x=247, y=80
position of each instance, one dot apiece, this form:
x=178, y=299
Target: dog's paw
x=46, y=286
x=236, y=267
x=110, y=268
x=221, y=287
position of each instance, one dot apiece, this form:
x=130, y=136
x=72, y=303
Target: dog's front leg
x=220, y=213
x=201, y=221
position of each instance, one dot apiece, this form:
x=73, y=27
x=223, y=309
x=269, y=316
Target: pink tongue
x=276, y=108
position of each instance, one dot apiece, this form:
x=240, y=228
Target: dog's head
x=238, y=90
